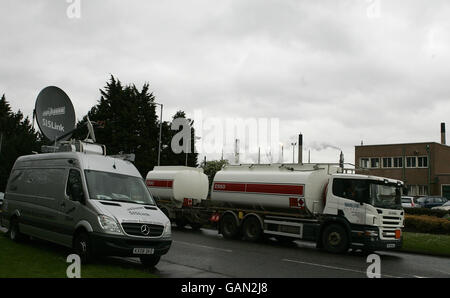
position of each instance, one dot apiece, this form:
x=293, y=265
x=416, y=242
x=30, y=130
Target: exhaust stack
x=300, y=149
x=443, y=141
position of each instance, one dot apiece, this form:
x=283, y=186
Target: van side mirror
x=76, y=192
x=75, y=186
x=80, y=197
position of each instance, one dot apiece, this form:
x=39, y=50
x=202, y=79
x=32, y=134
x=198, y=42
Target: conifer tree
x=17, y=138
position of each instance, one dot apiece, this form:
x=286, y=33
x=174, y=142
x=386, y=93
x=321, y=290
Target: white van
x=96, y=204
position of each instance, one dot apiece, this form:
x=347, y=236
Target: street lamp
x=293, y=149
x=160, y=131
x=282, y=153
x=195, y=139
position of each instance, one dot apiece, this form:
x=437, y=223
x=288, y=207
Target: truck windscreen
x=115, y=187
x=385, y=195
x=375, y=193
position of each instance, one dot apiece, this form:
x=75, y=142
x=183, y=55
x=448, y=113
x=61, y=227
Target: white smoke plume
x=321, y=146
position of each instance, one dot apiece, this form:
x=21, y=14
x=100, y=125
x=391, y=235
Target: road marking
x=440, y=271
x=334, y=267
x=202, y=246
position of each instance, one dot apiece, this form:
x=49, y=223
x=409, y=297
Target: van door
x=34, y=192
x=71, y=205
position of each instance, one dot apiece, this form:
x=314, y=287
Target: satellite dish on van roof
x=55, y=114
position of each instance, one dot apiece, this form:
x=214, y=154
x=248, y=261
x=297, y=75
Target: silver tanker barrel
x=286, y=188
x=179, y=185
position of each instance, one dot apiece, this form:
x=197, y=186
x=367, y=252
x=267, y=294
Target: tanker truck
x=312, y=202
x=180, y=192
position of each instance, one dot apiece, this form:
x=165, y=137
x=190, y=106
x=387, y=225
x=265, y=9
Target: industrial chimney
x=300, y=149
x=443, y=133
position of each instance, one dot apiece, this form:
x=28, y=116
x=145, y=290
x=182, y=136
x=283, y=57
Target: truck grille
x=390, y=225
x=142, y=229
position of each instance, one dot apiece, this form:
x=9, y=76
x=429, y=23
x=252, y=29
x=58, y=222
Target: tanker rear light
x=187, y=202
x=215, y=217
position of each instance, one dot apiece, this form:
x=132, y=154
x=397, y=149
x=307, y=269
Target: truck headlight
x=168, y=229
x=109, y=224
x=370, y=233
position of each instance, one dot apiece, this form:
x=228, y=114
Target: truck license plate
x=143, y=251
x=390, y=245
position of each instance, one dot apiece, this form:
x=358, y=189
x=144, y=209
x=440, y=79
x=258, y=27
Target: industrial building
x=424, y=167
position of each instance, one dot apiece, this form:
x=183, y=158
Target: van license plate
x=143, y=251
x=390, y=245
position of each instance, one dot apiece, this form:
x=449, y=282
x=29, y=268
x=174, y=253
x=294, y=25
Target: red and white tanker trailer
x=177, y=189
x=315, y=202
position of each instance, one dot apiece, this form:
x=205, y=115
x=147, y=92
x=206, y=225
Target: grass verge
x=42, y=259
x=429, y=244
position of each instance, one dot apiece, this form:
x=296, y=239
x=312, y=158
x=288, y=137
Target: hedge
x=426, y=211
x=427, y=224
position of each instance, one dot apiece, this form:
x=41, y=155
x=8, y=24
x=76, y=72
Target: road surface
x=204, y=253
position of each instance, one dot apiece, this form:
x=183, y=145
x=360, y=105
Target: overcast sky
x=337, y=71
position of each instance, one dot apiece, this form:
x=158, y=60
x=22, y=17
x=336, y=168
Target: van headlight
x=109, y=224
x=167, y=229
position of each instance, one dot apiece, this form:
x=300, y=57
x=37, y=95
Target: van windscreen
x=115, y=187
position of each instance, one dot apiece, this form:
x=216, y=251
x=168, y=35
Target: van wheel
x=335, y=239
x=14, y=232
x=229, y=227
x=82, y=247
x=150, y=261
x=252, y=229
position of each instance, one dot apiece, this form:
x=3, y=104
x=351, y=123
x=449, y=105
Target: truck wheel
x=180, y=222
x=150, y=261
x=195, y=226
x=252, y=229
x=82, y=247
x=335, y=239
x=14, y=232
x=229, y=227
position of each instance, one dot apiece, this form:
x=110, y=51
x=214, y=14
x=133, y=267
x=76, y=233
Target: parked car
x=409, y=202
x=445, y=207
x=430, y=202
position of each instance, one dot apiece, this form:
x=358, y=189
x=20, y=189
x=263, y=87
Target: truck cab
x=370, y=207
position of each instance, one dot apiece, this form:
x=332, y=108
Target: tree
x=17, y=138
x=129, y=123
x=168, y=157
x=210, y=168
